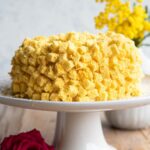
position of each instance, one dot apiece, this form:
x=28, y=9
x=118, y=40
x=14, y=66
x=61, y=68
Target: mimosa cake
x=77, y=67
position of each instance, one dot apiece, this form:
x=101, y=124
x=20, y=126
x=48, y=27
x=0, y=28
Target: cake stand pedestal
x=80, y=131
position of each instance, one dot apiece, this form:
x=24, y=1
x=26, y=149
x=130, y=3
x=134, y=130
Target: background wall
x=28, y=18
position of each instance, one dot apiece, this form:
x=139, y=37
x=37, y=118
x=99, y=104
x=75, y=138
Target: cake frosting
x=77, y=67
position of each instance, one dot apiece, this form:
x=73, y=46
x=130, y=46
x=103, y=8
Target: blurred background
x=20, y=19
x=29, y=18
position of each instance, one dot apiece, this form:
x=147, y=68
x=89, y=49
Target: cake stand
x=78, y=123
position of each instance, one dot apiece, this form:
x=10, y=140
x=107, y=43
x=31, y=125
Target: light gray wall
x=28, y=18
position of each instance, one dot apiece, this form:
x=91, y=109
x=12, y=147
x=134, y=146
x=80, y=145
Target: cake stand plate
x=78, y=123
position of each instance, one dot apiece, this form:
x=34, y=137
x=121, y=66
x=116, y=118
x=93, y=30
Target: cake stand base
x=80, y=131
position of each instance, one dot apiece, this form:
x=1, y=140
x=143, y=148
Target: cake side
x=77, y=67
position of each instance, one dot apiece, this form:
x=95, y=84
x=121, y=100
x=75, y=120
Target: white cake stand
x=78, y=123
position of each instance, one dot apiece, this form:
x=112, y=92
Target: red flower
x=31, y=140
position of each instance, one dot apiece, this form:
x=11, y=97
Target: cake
x=77, y=67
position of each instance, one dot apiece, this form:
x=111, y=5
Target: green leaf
x=146, y=9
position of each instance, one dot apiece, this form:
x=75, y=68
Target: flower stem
x=145, y=45
x=138, y=42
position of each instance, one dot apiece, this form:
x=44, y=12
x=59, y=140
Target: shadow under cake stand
x=78, y=123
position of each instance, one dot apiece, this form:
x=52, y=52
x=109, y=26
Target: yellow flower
x=140, y=1
x=120, y=17
x=147, y=25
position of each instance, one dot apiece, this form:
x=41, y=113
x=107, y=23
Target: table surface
x=14, y=120
x=127, y=140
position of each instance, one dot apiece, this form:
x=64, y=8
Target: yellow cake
x=77, y=67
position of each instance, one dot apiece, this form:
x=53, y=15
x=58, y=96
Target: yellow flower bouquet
x=126, y=18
